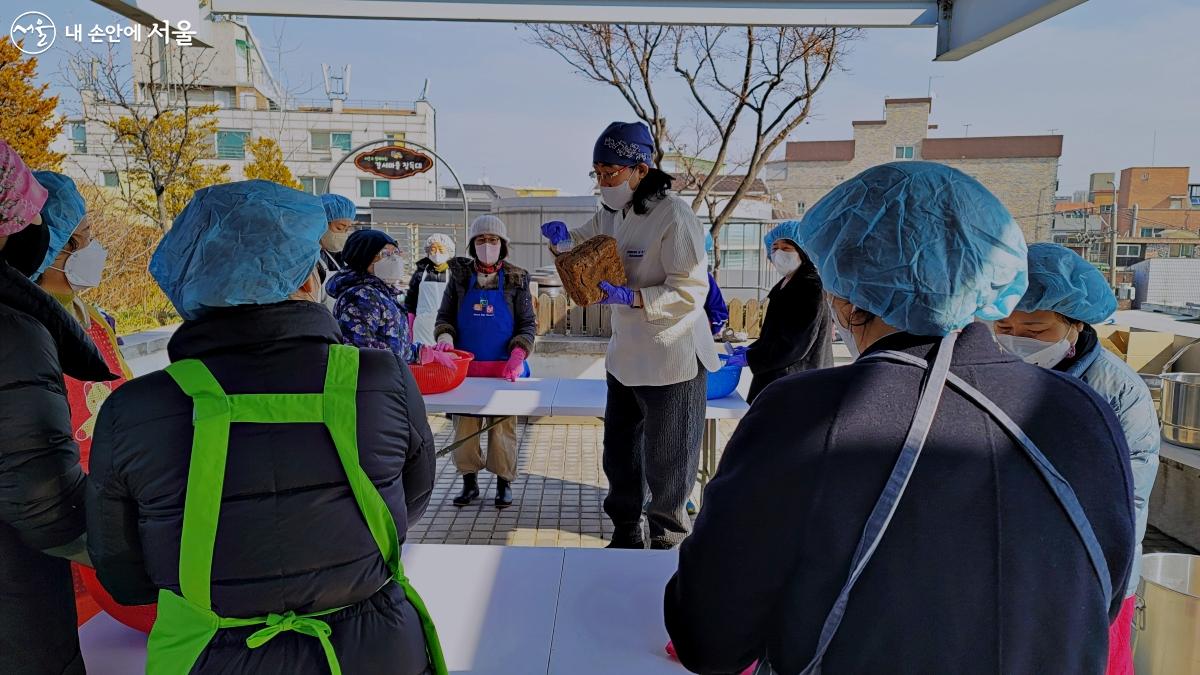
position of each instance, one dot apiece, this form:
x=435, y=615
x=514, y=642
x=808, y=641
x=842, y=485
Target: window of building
x=1152, y=231
x=223, y=97
x=1129, y=250
x=110, y=179
x=374, y=189
x=79, y=137
x=1182, y=250
x=1177, y=202
x=243, y=60
x=249, y=101
x=394, y=137
x=322, y=141
x=231, y=144
x=776, y=172
x=314, y=185
x=905, y=151
x=800, y=207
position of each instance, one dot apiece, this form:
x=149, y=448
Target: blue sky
x=1108, y=75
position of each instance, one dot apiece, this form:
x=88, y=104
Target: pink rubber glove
x=672, y=654
x=430, y=355
x=412, y=319
x=445, y=343
x=512, y=369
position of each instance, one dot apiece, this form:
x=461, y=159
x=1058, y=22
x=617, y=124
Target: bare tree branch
x=755, y=82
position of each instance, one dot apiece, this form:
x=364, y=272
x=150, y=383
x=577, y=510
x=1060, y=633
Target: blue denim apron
x=918, y=432
x=486, y=324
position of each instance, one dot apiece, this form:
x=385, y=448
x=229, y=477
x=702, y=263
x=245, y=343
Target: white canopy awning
x=963, y=26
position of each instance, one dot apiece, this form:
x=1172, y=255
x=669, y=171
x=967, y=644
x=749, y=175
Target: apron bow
x=278, y=623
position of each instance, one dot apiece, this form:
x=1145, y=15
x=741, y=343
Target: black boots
x=470, y=491
x=627, y=538
x=504, y=496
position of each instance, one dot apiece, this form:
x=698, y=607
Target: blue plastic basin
x=723, y=382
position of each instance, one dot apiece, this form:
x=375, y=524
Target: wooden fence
x=558, y=315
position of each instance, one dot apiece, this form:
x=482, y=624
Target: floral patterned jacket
x=369, y=314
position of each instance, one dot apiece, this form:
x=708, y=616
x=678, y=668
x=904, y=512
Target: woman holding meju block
x=661, y=347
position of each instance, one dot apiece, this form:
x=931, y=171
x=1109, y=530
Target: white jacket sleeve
x=686, y=285
x=586, y=231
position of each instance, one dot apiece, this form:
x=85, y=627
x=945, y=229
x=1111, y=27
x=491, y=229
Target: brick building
x=1021, y=170
x=1157, y=200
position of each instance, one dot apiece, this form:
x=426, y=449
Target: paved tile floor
x=558, y=500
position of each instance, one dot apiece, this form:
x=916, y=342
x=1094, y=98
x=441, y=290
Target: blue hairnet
x=338, y=207
x=788, y=229
x=921, y=245
x=248, y=243
x=1061, y=281
x=63, y=212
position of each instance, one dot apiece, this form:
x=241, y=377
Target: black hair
x=652, y=188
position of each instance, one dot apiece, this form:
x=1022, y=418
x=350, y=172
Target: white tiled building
x=313, y=135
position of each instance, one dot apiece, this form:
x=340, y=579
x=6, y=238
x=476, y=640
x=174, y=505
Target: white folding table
x=504, y=611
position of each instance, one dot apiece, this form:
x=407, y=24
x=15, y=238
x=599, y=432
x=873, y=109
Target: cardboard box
x=1148, y=351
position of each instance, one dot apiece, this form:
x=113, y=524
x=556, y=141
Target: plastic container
x=493, y=369
x=723, y=382
x=434, y=378
x=137, y=617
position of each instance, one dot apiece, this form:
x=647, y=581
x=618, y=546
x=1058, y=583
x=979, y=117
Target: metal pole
x=1112, y=254
x=461, y=188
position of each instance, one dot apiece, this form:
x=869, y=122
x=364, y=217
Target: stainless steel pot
x=1167, y=624
x=1181, y=409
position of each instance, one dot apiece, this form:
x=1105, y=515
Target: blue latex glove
x=738, y=358
x=556, y=231
x=616, y=295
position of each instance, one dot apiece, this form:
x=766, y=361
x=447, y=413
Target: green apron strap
x=185, y=633
x=206, y=478
x=341, y=418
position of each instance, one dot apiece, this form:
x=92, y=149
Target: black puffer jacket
x=516, y=292
x=41, y=483
x=797, y=333
x=291, y=536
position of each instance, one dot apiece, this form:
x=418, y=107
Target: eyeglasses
x=607, y=176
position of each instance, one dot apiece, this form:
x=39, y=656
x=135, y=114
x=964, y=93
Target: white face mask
x=489, y=254
x=85, y=267
x=439, y=258
x=845, y=333
x=617, y=197
x=390, y=269
x=334, y=242
x=1036, y=352
x=785, y=262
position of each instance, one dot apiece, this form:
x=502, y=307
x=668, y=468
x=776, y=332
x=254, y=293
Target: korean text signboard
x=393, y=162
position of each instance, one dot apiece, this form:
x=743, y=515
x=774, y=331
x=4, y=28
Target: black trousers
x=652, y=441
